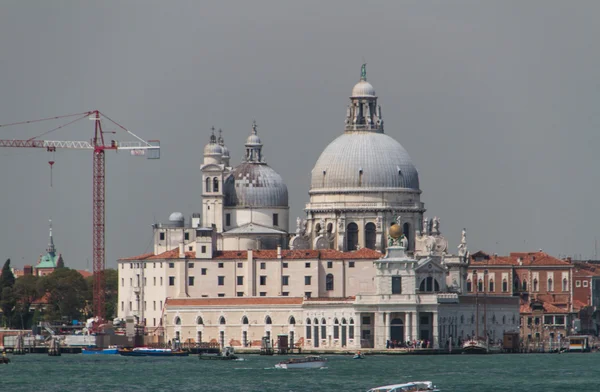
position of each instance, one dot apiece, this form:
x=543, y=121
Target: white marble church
x=364, y=267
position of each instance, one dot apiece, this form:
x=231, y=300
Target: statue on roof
x=363, y=72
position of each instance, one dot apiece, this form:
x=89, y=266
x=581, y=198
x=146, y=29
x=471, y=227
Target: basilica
x=362, y=268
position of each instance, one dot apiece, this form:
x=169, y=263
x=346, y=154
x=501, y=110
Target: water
x=464, y=373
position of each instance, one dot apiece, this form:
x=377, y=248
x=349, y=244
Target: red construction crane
x=98, y=145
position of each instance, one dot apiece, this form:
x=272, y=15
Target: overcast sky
x=495, y=101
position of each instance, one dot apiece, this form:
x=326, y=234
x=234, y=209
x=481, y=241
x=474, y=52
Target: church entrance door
x=397, y=330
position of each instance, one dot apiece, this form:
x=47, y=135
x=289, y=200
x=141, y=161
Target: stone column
x=379, y=326
x=415, y=325
x=387, y=326
x=435, y=329
x=407, y=326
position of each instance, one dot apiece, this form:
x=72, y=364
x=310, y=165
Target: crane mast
x=98, y=146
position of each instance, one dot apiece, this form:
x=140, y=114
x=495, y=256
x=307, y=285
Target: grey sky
x=495, y=101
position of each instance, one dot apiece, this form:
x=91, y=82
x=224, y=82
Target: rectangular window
x=154, y=280
x=396, y=285
x=285, y=294
x=190, y=248
x=190, y=280
x=548, y=320
x=559, y=320
x=171, y=265
x=227, y=219
x=161, y=305
x=187, y=236
x=144, y=282
x=122, y=305
x=203, y=249
x=285, y=280
x=190, y=265
x=306, y=265
x=529, y=320
x=307, y=294
x=144, y=305
x=285, y=265
x=171, y=281
x=203, y=271
x=161, y=280
x=275, y=219
x=220, y=265
x=351, y=264
x=240, y=265
x=153, y=305
x=307, y=280
x=162, y=236
x=585, y=283
x=263, y=265
x=221, y=280
x=577, y=283
x=240, y=280
x=330, y=264
x=154, y=322
x=263, y=294
x=263, y=280
x=130, y=306
x=220, y=295
x=123, y=266
x=122, y=282
x=240, y=293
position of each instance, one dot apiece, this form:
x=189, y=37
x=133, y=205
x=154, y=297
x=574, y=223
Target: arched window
x=292, y=320
x=516, y=283
x=504, y=286
x=336, y=329
x=550, y=285
x=318, y=228
x=469, y=286
x=524, y=284
x=244, y=320
x=370, y=235
x=535, y=285
x=329, y=228
x=222, y=320
x=215, y=184
x=351, y=236
x=491, y=284
x=480, y=285
x=316, y=321
x=406, y=232
x=268, y=320
x=307, y=321
x=323, y=328
x=177, y=320
x=343, y=321
x=429, y=285
x=462, y=318
x=351, y=329
x=329, y=282
x=565, y=285
x=207, y=184
x=199, y=320
x=308, y=329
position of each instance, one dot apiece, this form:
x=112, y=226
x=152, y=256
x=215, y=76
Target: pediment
x=430, y=265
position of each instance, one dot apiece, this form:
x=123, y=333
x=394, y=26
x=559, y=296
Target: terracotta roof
x=494, y=260
x=585, y=270
x=138, y=257
x=330, y=299
x=548, y=308
x=578, y=305
x=85, y=273
x=235, y=301
x=363, y=253
x=526, y=259
x=330, y=254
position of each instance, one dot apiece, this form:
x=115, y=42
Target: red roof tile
x=139, y=257
x=330, y=299
x=578, y=305
x=238, y=301
x=85, y=273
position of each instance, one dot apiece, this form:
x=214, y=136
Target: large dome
x=359, y=160
x=255, y=185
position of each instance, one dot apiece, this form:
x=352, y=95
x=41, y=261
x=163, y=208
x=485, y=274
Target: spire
x=254, y=146
x=363, y=72
x=213, y=138
x=51, y=248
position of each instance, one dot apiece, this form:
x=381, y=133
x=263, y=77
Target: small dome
x=363, y=89
x=213, y=149
x=255, y=185
x=253, y=139
x=225, y=152
x=176, y=217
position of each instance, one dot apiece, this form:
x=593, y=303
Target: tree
x=66, y=291
x=7, y=298
x=26, y=292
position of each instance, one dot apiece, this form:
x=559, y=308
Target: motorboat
x=475, y=346
x=226, y=355
x=358, y=355
x=310, y=362
x=413, y=386
x=152, y=352
x=98, y=350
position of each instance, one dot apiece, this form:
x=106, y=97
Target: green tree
x=7, y=297
x=111, y=292
x=26, y=292
x=66, y=291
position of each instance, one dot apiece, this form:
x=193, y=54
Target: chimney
x=181, y=251
x=279, y=251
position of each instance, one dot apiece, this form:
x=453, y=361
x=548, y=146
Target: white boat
x=475, y=346
x=413, y=386
x=310, y=362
